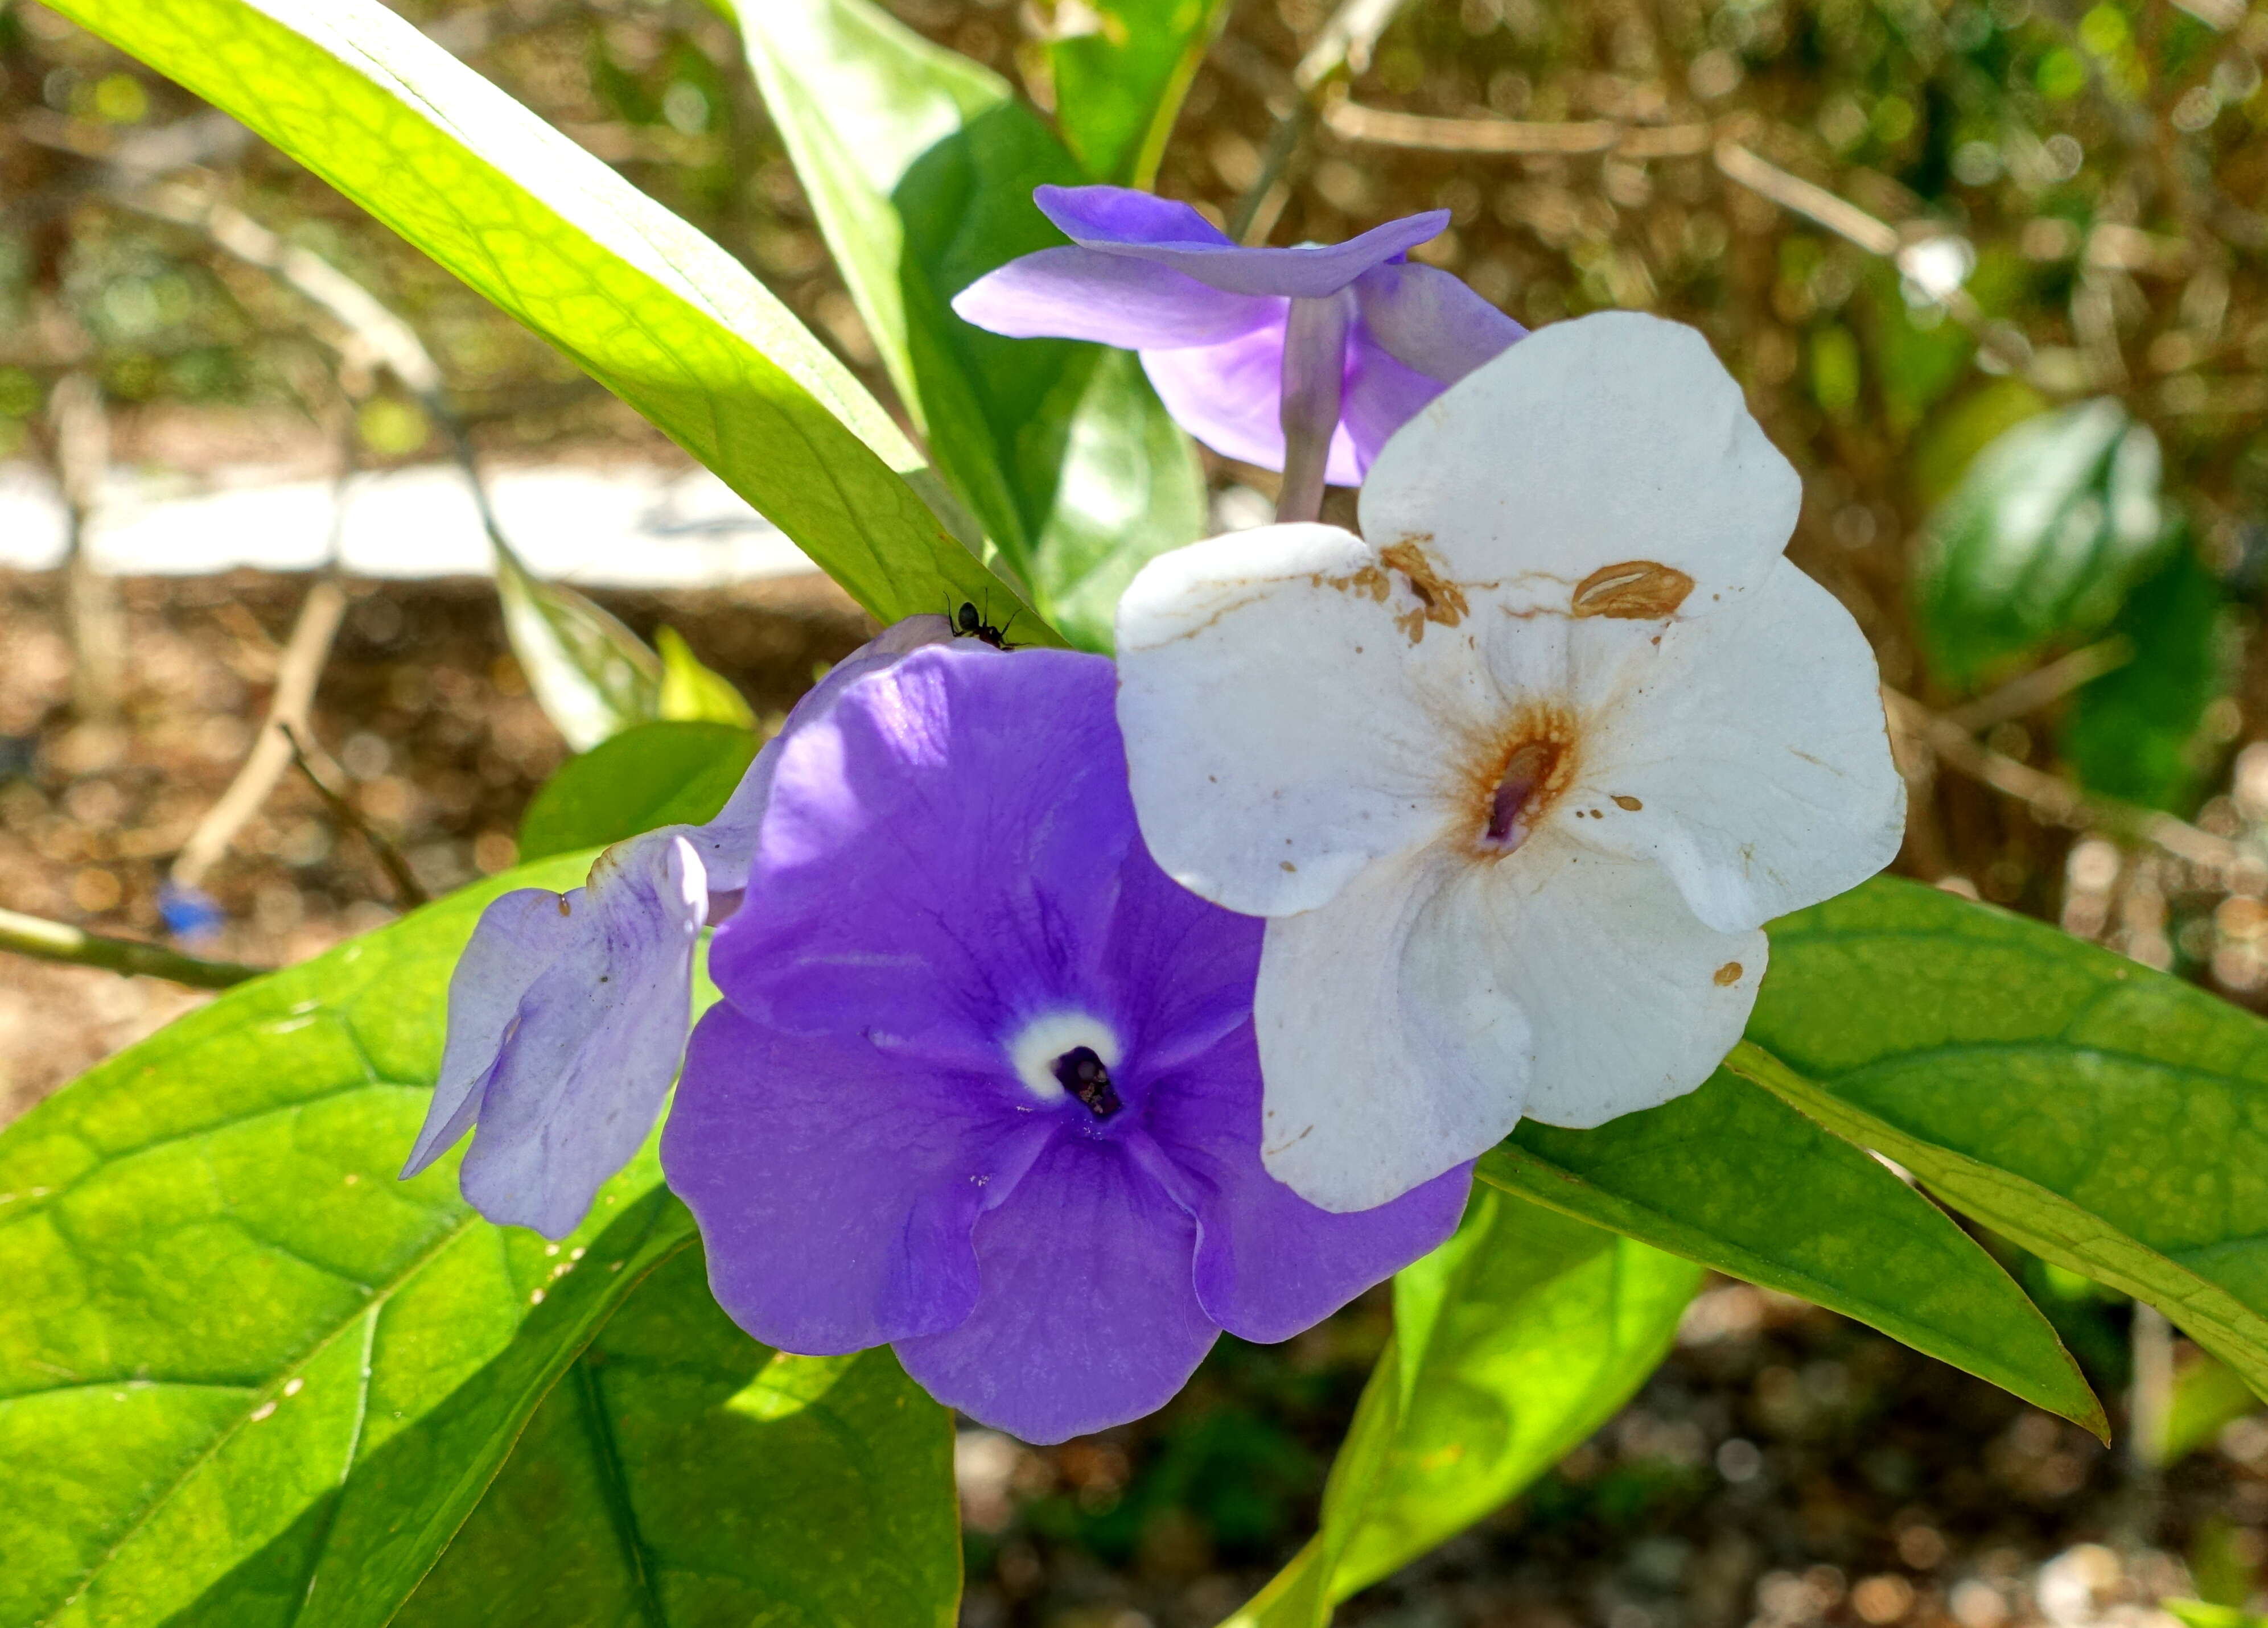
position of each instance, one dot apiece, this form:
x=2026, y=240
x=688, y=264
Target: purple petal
x=727, y=843
x=520, y=934
x=1187, y=966
x=1127, y=223
x=1431, y=322
x=1382, y=395
x=983, y=797
x=592, y=1045
x=1270, y=1264
x=835, y=1189
x=1078, y=294
x=1230, y=397
x=1087, y=1316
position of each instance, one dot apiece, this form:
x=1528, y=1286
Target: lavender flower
x=1300, y=359
x=568, y=1012
x=983, y=1085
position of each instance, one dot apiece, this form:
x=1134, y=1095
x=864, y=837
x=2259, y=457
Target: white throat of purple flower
x=1068, y=1054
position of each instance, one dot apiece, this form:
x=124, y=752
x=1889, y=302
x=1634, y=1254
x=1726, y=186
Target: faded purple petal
x=1270, y=1264
x=593, y=1044
x=1078, y=294
x=1230, y=397
x=1431, y=322
x=1382, y=395
x=983, y=831
x=1117, y=221
x=835, y=1188
x=1088, y=1316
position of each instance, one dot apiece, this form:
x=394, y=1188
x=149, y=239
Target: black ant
x=969, y=623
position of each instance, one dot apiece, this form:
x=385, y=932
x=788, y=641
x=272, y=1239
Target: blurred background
x=1990, y=270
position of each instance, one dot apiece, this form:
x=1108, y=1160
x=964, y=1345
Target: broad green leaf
x=2208, y=1396
x=657, y=774
x=2133, y=734
x=692, y=693
x=1121, y=68
x=1512, y=1342
x=245, y=1369
x=2109, y=1118
x=919, y=165
x=592, y=676
x=2204, y=1614
x=651, y=308
x=2046, y=532
x=1731, y=1178
x=682, y=1474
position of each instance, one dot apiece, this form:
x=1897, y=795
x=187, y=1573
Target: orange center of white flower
x=1518, y=775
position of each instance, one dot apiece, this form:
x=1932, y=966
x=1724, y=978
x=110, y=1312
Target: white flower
x=1521, y=777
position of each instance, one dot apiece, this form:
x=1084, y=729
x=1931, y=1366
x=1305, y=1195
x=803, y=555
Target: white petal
x=1631, y=1000
x=1755, y=751
x=1388, y=1053
x=1613, y=439
x=1282, y=729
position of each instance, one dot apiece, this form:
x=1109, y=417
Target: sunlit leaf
x=651, y=308
x=592, y=676
x=657, y=774
x=1121, y=68
x=920, y=165
x=692, y=693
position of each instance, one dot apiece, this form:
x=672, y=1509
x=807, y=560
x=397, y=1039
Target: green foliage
x=920, y=166
x=2132, y=733
x=1120, y=76
x=651, y=308
x=2208, y=1396
x=1513, y=1341
x=2109, y=1118
x=657, y=774
x=592, y=676
x=694, y=693
x=2042, y=539
x=1731, y=1178
x=681, y=1473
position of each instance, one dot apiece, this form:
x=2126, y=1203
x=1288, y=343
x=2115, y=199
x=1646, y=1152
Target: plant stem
x=51, y=940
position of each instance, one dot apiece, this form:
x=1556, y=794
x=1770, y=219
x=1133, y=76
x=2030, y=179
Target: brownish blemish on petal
x=1444, y=600
x=1634, y=591
x=1629, y=804
x=1728, y=975
x=1512, y=778
x=564, y=910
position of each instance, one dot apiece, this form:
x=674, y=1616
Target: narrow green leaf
x=592, y=676
x=2049, y=530
x=2133, y=734
x=692, y=693
x=683, y=1474
x=651, y=308
x=657, y=774
x=920, y=165
x=1121, y=72
x=1735, y=1180
x=2110, y=1119
x=246, y=1369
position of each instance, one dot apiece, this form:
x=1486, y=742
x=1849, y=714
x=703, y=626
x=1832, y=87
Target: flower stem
x=51, y=940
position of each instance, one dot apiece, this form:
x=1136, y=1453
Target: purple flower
x=568, y=1012
x=983, y=1085
x=1325, y=350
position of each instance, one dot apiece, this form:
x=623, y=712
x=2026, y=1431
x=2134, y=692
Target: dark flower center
x=1079, y=1071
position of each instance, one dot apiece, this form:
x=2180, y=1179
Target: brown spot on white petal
x=1728, y=975
x=1512, y=778
x=1442, y=599
x=1629, y=804
x=1634, y=591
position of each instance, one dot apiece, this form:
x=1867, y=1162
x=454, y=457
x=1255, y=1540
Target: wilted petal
x=1282, y=730
x=1080, y=293
x=594, y=1042
x=1268, y=1262
x=835, y=1188
x=1751, y=761
x=1431, y=322
x=1088, y=1316
x=1230, y=396
x=1390, y=1051
x=1613, y=440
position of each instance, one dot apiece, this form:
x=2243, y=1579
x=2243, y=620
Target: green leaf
x=920, y=165
x=693, y=693
x=1122, y=68
x=2133, y=734
x=2201, y=1613
x=2208, y=1396
x=655, y=775
x=245, y=1370
x=683, y=1474
x=1735, y=1180
x=592, y=676
x=651, y=308
x=1513, y=1341
x=2109, y=1118
x=2046, y=532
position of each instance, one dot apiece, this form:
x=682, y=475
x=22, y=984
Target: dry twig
x=409, y=892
